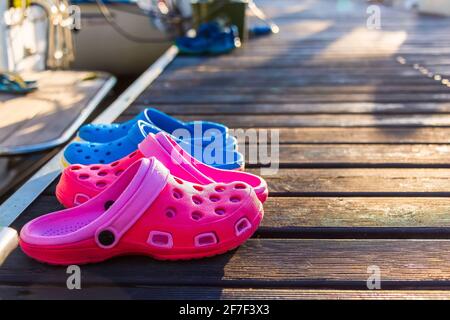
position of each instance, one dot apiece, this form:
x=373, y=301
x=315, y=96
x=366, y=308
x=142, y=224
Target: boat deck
x=364, y=179
x=49, y=117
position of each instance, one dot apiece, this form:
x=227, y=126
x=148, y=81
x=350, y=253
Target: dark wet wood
x=212, y=293
x=352, y=217
x=363, y=118
x=324, y=120
x=278, y=263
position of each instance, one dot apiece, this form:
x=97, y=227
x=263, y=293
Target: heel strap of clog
x=149, y=181
x=140, y=130
x=177, y=155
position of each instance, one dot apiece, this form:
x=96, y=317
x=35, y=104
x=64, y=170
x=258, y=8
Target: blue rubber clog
x=162, y=122
x=216, y=150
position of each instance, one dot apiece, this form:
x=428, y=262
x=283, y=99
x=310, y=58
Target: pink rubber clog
x=79, y=183
x=147, y=211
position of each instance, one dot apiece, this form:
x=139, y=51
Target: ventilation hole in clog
x=179, y=181
x=96, y=150
x=160, y=239
x=102, y=161
x=95, y=168
x=77, y=145
x=87, y=157
x=110, y=131
x=118, y=172
x=132, y=155
x=214, y=198
x=171, y=213
x=239, y=186
x=97, y=129
x=220, y=188
x=102, y=173
x=242, y=226
x=197, y=215
x=108, y=153
x=75, y=168
x=197, y=200
x=79, y=151
x=235, y=199
x=198, y=188
x=119, y=144
x=108, y=204
x=205, y=239
x=220, y=211
x=80, y=198
x=83, y=176
x=177, y=194
x=114, y=164
x=100, y=184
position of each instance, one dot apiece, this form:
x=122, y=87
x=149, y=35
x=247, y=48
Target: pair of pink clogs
x=158, y=201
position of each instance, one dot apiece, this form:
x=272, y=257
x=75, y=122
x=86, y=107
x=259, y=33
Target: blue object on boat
x=211, y=38
x=104, y=1
x=161, y=122
x=260, y=30
x=84, y=152
x=12, y=83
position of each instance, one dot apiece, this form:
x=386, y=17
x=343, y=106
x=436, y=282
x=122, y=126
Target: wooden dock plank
x=343, y=155
x=320, y=120
x=389, y=135
x=327, y=120
x=333, y=264
x=296, y=108
x=332, y=217
x=422, y=182
x=212, y=293
x=359, y=182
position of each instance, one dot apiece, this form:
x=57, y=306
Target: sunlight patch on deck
x=362, y=43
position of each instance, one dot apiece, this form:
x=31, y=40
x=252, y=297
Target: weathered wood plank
x=398, y=70
x=325, y=120
x=380, y=121
x=354, y=182
x=418, y=135
x=169, y=88
x=211, y=293
x=254, y=61
x=335, y=264
x=423, y=182
x=294, y=108
x=293, y=76
x=357, y=155
x=331, y=217
x=272, y=97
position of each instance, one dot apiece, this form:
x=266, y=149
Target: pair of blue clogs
x=208, y=142
x=211, y=38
